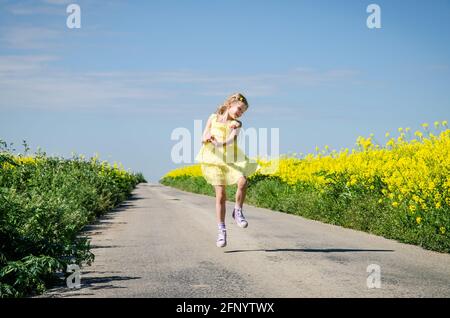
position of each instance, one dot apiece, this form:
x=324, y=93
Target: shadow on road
x=104, y=221
x=311, y=250
x=87, y=284
x=100, y=281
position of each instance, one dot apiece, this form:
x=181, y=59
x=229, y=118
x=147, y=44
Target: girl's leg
x=220, y=203
x=241, y=191
x=220, y=211
x=240, y=197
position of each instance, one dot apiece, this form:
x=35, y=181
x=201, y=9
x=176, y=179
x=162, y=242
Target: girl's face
x=237, y=109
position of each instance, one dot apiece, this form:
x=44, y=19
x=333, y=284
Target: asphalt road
x=161, y=243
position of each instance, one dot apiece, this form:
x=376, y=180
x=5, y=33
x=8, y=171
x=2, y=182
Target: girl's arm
x=207, y=132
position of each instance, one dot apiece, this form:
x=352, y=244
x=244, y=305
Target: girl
x=223, y=163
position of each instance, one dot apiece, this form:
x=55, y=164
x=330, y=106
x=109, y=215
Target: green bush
x=44, y=204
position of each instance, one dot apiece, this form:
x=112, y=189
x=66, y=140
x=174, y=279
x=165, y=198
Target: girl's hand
x=213, y=141
x=208, y=138
x=235, y=124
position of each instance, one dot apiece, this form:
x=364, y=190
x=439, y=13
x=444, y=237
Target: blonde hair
x=231, y=99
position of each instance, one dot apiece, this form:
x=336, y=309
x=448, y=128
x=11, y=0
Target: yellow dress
x=224, y=165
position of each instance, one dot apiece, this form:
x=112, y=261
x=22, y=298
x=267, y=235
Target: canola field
x=399, y=189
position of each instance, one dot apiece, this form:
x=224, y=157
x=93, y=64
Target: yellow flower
x=7, y=166
x=425, y=125
x=25, y=160
x=193, y=171
x=442, y=229
x=412, y=173
x=391, y=142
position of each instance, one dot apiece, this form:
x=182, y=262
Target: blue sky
x=136, y=70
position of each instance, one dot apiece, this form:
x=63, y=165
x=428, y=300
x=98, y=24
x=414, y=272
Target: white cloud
x=37, y=7
x=29, y=37
x=31, y=9
x=11, y=66
x=31, y=82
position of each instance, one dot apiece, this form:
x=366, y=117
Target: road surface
x=161, y=243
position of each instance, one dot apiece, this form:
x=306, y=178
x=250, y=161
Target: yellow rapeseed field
x=410, y=172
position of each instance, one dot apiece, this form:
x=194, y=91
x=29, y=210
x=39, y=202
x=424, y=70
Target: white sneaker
x=239, y=217
x=222, y=238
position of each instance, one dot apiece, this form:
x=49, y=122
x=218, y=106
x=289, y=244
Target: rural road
x=161, y=243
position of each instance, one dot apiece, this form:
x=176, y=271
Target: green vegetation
x=44, y=204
